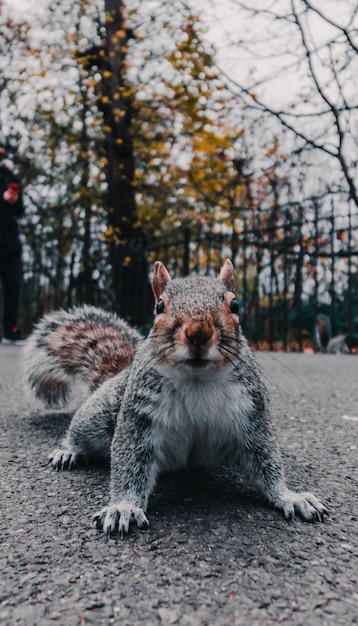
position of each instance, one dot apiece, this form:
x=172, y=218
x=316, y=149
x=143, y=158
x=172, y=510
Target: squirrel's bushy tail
x=83, y=341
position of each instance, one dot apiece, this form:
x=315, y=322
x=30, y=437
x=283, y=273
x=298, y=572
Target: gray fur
x=190, y=400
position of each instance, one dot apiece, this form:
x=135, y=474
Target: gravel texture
x=215, y=553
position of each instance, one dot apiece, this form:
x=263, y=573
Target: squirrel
x=190, y=394
x=325, y=342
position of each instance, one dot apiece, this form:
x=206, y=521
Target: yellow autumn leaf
x=204, y=146
x=273, y=150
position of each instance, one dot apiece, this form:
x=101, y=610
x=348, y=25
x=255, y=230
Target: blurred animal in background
x=326, y=343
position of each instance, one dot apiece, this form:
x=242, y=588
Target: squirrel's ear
x=227, y=275
x=160, y=279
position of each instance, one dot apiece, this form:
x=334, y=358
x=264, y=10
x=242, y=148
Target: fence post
x=298, y=280
x=350, y=290
x=257, y=282
x=333, y=282
x=315, y=259
x=186, y=254
x=71, y=280
x=286, y=229
x=272, y=276
x=244, y=244
x=234, y=242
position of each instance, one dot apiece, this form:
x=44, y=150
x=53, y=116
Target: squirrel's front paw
x=304, y=504
x=116, y=518
x=63, y=459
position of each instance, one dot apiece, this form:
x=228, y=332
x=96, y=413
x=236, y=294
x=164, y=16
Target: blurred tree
x=301, y=66
x=61, y=167
x=184, y=142
x=147, y=141
x=13, y=45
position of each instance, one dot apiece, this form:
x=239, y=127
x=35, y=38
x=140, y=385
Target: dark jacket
x=9, y=230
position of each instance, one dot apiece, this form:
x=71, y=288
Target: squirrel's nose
x=198, y=334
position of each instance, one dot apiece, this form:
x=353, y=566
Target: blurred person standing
x=11, y=208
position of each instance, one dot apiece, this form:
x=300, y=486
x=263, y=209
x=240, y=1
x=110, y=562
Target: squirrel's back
x=83, y=341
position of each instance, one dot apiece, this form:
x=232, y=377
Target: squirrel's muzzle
x=198, y=334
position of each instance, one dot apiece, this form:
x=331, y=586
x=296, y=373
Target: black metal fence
x=290, y=266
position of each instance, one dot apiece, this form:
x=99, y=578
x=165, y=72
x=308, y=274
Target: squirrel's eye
x=234, y=306
x=160, y=307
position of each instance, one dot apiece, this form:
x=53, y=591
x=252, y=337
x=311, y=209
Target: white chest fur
x=203, y=422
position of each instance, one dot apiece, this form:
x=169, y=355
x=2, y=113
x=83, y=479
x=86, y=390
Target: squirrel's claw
x=304, y=504
x=117, y=518
x=63, y=459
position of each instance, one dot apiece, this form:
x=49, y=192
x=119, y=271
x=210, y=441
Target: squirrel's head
x=196, y=325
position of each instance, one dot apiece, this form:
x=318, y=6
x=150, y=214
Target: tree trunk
x=122, y=216
x=117, y=108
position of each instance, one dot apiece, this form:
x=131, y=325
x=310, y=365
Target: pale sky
x=226, y=27
x=267, y=62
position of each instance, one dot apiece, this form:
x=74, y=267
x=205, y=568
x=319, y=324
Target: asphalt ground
x=215, y=552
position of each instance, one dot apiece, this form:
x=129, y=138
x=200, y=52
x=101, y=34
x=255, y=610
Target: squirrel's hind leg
x=90, y=433
x=84, y=441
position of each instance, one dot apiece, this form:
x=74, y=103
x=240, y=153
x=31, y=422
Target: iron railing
x=289, y=268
